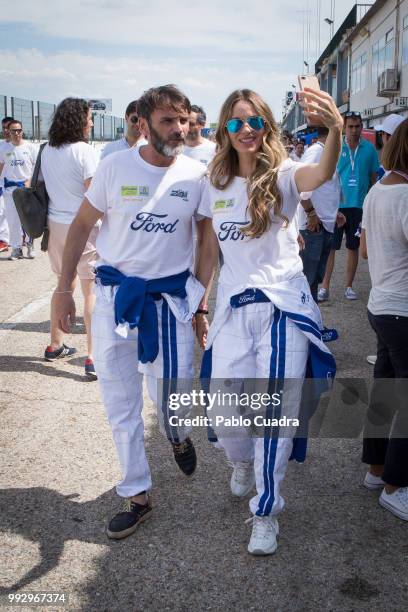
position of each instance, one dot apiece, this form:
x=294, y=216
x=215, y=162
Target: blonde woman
x=266, y=323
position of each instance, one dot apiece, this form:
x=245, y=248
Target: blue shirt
x=355, y=184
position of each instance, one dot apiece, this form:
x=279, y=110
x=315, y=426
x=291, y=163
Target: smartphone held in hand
x=308, y=80
x=311, y=81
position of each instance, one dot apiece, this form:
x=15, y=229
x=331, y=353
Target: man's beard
x=161, y=145
x=192, y=137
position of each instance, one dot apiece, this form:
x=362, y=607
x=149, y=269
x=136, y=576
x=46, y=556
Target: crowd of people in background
x=365, y=198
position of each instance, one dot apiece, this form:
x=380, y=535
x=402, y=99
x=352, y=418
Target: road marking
x=23, y=315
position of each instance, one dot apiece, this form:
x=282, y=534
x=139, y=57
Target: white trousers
x=120, y=381
x=259, y=342
x=13, y=220
x=4, y=229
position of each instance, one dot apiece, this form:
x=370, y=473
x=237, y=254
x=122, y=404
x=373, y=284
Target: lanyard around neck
x=353, y=158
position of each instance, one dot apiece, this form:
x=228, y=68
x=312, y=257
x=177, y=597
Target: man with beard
x=18, y=162
x=145, y=294
x=133, y=136
x=198, y=147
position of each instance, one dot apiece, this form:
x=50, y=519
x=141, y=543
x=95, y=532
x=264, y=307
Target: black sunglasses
x=352, y=114
x=16, y=131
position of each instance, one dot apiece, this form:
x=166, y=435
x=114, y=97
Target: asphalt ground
x=338, y=549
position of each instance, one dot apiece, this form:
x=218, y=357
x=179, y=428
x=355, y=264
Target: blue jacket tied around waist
x=8, y=184
x=134, y=304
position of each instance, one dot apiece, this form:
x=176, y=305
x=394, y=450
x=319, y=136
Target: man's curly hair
x=68, y=123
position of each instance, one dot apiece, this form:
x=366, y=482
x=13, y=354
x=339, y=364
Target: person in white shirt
x=197, y=147
x=4, y=229
x=298, y=151
x=386, y=129
x=68, y=164
x=133, y=136
x=266, y=323
x=384, y=241
x=147, y=198
x=17, y=166
x=318, y=216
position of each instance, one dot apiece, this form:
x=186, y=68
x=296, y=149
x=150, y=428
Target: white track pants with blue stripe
x=120, y=381
x=258, y=341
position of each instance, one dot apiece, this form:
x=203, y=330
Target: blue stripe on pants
x=271, y=438
x=166, y=368
x=269, y=412
x=174, y=367
x=205, y=378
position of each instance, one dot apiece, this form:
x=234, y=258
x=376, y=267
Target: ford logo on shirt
x=229, y=230
x=148, y=222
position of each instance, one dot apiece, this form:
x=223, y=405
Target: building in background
x=365, y=65
x=379, y=62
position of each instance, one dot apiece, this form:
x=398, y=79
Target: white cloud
x=185, y=24
x=214, y=48
x=51, y=77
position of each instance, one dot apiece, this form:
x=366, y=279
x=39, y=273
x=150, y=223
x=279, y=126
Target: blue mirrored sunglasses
x=255, y=123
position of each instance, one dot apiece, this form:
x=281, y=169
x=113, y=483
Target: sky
x=50, y=49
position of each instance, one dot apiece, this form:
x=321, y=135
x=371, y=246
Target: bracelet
x=201, y=311
x=63, y=292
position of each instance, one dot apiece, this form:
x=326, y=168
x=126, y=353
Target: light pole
x=307, y=66
x=331, y=24
x=330, y=20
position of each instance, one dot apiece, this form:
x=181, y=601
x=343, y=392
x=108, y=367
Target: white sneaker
x=16, y=254
x=322, y=294
x=30, y=251
x=350, y=293
x=242, y=479
x=265, y=530
x=372, y=482
x=397, y=502
x=371, y=359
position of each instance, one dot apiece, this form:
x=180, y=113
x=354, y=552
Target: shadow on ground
x=41, y=327
x=192, y=553
x=28, y=363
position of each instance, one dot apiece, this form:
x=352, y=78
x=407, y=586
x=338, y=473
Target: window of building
x=382, y=55
x=405, y=40
x=358, y=74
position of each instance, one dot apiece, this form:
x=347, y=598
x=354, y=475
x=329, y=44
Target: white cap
x=390, y=124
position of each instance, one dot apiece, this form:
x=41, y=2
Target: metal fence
x=36, y=118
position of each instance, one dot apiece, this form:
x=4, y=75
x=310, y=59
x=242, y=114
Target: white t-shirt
x=148, y=210
x=120, y=145
x=326, y=198
x=295, y=157
x=203, y=153
x=19, y=162
x=255, y=262
x=4, y=146
x=64, y=170
x=385, y=220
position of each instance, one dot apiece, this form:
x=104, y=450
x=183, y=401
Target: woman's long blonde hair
x=263, y=193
